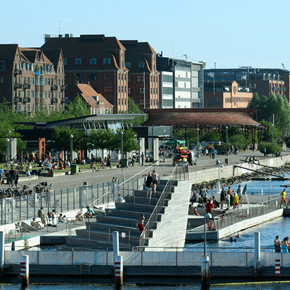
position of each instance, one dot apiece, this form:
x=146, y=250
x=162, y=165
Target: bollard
x=118, y=271
x=24, y=271
x=277, y=267
x=118, y=261
x=205, y=281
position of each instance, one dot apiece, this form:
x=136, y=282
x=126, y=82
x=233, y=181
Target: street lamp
x=122, y=144
x=9, y=145
x=205, y=261
x=227, y=134
x=7, y=148
x=197, y=132
x=71, y=147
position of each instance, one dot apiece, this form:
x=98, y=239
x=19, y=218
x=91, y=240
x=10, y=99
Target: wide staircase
x=123, y=218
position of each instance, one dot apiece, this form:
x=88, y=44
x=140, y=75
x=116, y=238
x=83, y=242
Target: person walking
x=235, y=200
x=41, y=215
x=148, y=185
x=240, y=194
x=156, y=179
x=140, y=223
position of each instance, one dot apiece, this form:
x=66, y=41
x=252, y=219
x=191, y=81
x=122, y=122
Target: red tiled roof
x=190, y=118
x=90, y=96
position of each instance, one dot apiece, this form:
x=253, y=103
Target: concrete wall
x=220, y=258
x=228, y=171
x=171, y=231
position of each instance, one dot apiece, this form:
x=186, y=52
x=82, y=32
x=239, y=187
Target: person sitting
x=119, y=199
x=60, y=220
x=79, y=216
x=36, y=224
x=27, y=172
x=90, y=212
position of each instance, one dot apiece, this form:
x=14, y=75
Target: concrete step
x=93, y=244
x=106, y=237
x=127, y=213
x=116, y=220
x=143, y=200
x=144, y=208
x=164, y=182
x=106, y=227
x=142, y=193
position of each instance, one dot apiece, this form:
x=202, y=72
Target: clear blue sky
x=226, y=32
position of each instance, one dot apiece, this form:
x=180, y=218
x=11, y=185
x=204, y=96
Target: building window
x=108, y=89
x=93, y=76
x=140, y=79
x=141, y=64
x=128, y=64
x=1, y=80
x=78, y=61
x=93, y=61
x=140, y=91
x=129, y=91
x=108, y=76
x=107, y=61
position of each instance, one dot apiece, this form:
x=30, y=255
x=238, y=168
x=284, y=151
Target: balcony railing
x=54, y=101
x=26, y=86
x=17, y=72
x=27, y=100
x=63, y=87
x=54, y=87
x=17, y=86
x=18, y=100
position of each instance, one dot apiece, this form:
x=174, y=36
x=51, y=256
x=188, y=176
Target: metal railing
x=241, y=214
x=25, y=207
x=178, y=173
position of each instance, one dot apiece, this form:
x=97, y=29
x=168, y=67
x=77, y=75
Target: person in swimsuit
x=277, y=245
x=140, y=223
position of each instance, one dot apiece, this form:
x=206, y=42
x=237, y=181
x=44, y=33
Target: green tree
x=76, y=108
x=271, y=147
x=134, y=109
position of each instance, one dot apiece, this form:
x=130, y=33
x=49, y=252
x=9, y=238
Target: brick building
x=31, y=79
x=97, y=60
x=143, y=75
x=229, y=97
x=96, y=103
x=264, y=81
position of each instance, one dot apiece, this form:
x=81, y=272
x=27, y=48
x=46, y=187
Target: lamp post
x=197, y=133
x=122, y=144
x=71, y=147
x=7, y=149
x=205, y=283
x=227, y=134
x=9, y=145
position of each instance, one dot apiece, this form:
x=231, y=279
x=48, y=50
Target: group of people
x=283, y=246
x=231, y=197
x=151, y=183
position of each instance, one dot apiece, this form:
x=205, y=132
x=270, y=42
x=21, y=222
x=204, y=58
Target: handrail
x=161, y=199
x=123, y=182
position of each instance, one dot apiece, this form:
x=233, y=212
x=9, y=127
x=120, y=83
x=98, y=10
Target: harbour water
x=268, y=231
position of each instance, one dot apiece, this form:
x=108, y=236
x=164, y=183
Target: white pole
x=116, y=244
x=2, y=238
x=257, y=250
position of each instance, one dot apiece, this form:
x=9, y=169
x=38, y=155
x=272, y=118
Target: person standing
x=1, y=174
x=236, y=200
x=230, y=193
x=240, y=194
x=142, y=159
x=223, y=197
x=113, y=185
x=277, y=245
x=283, y=197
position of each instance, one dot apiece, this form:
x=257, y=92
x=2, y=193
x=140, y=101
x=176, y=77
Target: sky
x=221, y=33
